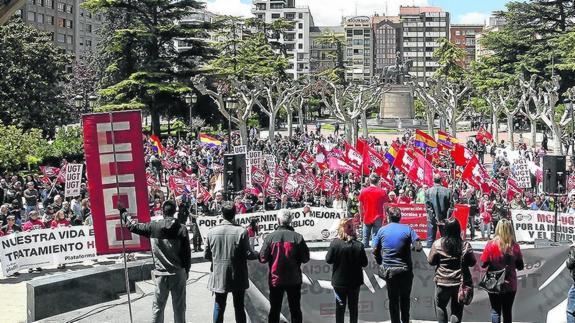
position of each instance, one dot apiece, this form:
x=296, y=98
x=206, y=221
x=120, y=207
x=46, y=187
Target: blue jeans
x=220, y=306
x=571, y=305
x=369, y=230
x=501, y=306
x=343, y=297
x=432, y=228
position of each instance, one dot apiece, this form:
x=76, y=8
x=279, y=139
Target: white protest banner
x=521, y=173
x=271, y=162
x=46, y=247
x=531, y=225
x=318, y=224
x=241, y=149
x=253, y=158
x=73, y=179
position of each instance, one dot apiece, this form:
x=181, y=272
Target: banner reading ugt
x=115, y=163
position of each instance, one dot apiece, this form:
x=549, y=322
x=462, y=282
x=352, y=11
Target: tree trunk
x=364, y=124
x=429, y=116
x=243, y=127
x=289, y=123
x=453, y=125
x=300, y=117
x=557, y=133
x=272, y=129
x=510, y=131
x=496, y=127
x=349, y=130
x=354, y=132
x=533, y=133
x=155, y=123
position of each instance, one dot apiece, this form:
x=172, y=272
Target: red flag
x=281, y=173
x=306, y=157
x=203, y=195
x=403, y=160
x=50, y=171
x=461, y=155
x=484, y=136
x=421, y=171
x=321, y=157
x=352, y=157
x=260, y=177
x=341, y=166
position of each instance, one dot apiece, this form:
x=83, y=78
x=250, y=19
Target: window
x=69, y=8
x=31, y=16
x=300, y=26
x=300, y=46
x=358, y=32
x=61, y=22
x=49, y=4
x=61, y=7
x=300, y=15
x=300, y=36
x=32, y=2
x=69, y=23
x=69, y=39
x=50, y=20
x=89, y=28
x=40, y=18
x=89, y=43
x=300, y=56
x=61, y=38
x=458, y=33
x=275, y=15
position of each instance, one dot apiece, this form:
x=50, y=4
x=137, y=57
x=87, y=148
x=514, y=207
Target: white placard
x=73, y=179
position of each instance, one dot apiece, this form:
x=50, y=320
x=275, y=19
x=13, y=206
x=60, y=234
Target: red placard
x=415, y=216
x=115, y=163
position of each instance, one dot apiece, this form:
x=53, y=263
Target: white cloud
x=324, y=12
x=229, y=7
x=478, y=18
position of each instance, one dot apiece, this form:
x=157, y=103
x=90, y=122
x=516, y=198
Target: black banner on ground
x=542, y=286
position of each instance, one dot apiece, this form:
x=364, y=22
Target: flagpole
x=122, y=227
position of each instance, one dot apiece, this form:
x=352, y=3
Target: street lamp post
x=569, y=106
x=84, y=103
x=191, y=99
x=231, y=105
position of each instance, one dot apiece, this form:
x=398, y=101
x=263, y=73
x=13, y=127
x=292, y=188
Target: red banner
x=415, y=216
x=116, y=174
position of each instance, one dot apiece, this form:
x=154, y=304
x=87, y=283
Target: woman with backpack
x=452, y=258
x=502, y=256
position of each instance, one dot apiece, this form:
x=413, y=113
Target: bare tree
x=247, y=96
x=431, y=105
x=511, y=110
x=347, y=103
x=527, y=87
x=545, y=100
x=497, y=100
x=449, y=94
x=277, y=93
x=296, y=103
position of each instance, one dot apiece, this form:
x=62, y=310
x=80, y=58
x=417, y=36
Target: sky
x=329, y=12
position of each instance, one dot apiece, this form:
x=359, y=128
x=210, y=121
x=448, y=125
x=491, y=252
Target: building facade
x=296, y=41
x=464, y=36
x=422, y=28
x=72, y=28
x=387, y=41
x=324, y=56
x=495, y=24
x=359, y=49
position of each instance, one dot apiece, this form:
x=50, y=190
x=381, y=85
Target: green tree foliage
x=528, y=43
x=69, y=142
x=450, y=58
x=157, y=76
x=32, y=71
x=335, y=41
x=18, y=146
x=250, y=57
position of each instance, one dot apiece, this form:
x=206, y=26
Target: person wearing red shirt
x=33, y=223
x=371, y=201
x=403, y=198
x=60, y=220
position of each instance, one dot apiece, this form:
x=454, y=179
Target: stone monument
x=398, y=102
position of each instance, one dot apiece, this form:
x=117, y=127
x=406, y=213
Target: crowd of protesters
x=36, y=201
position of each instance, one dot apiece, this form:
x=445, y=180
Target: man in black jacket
x=172, y=260
x=571, y=296
x=438, y=202
x=284, y=250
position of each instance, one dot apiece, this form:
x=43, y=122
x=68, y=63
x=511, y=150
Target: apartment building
x=296, y=41
x=359, y=49
x=422, y=27
x=322, y=55
x=72, y=28
x=387, y=41
x=464, y=36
